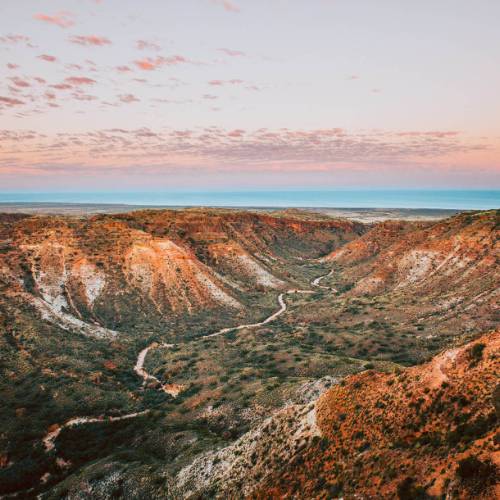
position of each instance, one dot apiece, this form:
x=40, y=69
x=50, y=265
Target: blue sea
x=447, y=199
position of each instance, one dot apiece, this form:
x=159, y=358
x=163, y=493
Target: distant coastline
x=454, y=200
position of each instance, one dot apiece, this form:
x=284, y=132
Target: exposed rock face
x=447, y=268
x=377, y=434
x=431, y=255
x=380, y=237
x=235, y=470
x=94, y=274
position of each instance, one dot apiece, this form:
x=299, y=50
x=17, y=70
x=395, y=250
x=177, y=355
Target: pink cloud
x=15, y=39
x=149, y=64
x=12, y=66
x=123, y=69
x=145, y=45
x=62, y=86
x=333, y=150
x=128, y=98
x=8, y=101
x=209, y=96
x=89, y=40
x=353, y=77
x=39, y=80
x=48, y=58
x=61, y=19
x=220, y=83
x=232, y=53
x=19, y=82
x=439, y=134
x=236, y=133
x=80, y=80
x=83, y=97
x=173, y=60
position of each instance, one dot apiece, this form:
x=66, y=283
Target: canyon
x=205, y=353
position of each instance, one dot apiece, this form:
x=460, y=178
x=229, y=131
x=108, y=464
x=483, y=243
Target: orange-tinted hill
x=460, y=254
x=429, y=431
x=111, y=270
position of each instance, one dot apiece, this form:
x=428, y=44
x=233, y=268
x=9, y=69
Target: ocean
x=444, y=199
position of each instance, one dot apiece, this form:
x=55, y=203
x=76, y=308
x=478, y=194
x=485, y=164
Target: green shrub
x=476, y=353
x=407, y=489
x=476, y=475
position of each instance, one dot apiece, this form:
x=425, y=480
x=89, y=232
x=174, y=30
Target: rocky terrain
x=412, y=432
x=216, y=353
x=102, y=273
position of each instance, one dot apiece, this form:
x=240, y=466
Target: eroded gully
x=174, y=389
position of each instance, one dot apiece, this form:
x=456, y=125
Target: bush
x=470, y=431
x=476, y=475
x=407, y=489
x=496, y=399
x=476, y=353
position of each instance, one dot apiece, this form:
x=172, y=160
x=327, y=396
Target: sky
x=249, y=94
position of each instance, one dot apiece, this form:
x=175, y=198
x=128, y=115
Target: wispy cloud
x=61, y=86
x=150, y=64
x=262, y=148
x=47, y=57
x=14, y=39
x=123, y=69
x=146, y=45
x=19, y=82
x=128, y=98
x=79, y=80
x=10, y=102
x=89, y=40
x=220, y=83
x=231, y=52
x=62, y=19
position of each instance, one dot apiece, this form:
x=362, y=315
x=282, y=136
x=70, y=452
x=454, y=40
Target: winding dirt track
x=51, y=436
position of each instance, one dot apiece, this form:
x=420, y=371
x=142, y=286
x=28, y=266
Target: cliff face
x=399, y=255
x=100, y=273
x=372, y=243
x=439, y=272
x=427, y=430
